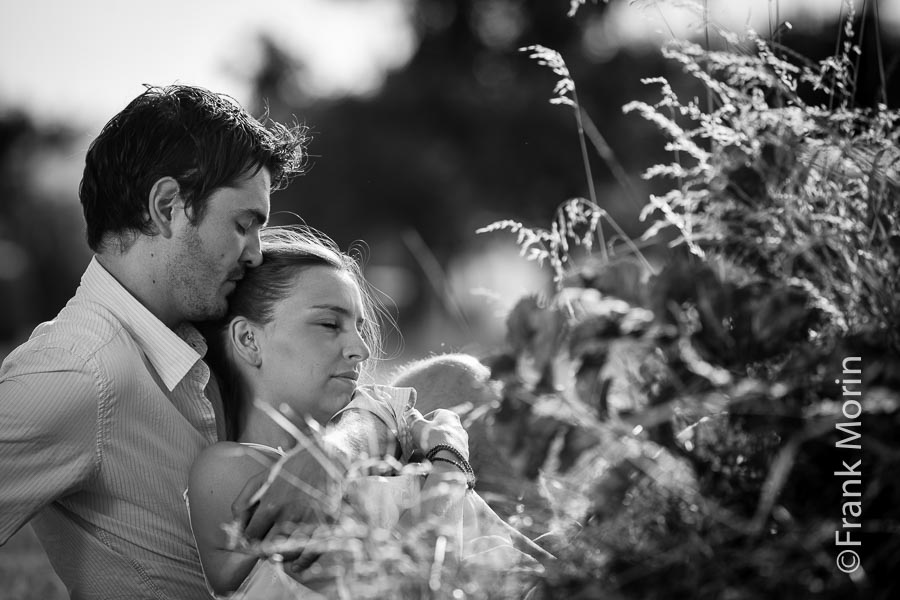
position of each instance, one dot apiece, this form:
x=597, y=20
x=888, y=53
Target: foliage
x=679, y=420
x=681, y=424
x=373, y=537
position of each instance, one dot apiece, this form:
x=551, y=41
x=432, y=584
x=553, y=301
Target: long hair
x=287, y=251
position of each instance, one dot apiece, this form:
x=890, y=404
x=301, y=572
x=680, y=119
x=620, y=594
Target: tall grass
x=681, y=422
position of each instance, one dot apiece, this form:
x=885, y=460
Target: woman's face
x=312, y=349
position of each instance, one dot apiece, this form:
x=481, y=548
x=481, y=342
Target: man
x=103, y=409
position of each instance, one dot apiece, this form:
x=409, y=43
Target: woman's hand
x=445, y=486
x=440, y=426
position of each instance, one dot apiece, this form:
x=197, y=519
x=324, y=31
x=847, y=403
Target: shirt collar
x=172, y=353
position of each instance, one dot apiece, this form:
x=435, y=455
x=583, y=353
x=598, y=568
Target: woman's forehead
x=324, y=286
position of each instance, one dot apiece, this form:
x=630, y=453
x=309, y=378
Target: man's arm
x=350, y=439
x=48, y=432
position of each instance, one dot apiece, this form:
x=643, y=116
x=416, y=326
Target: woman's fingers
x=296, y=566
x=440, y=426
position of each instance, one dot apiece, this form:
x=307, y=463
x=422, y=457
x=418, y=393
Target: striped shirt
x=102, y=412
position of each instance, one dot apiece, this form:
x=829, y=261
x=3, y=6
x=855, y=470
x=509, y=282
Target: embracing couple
x=147, y=416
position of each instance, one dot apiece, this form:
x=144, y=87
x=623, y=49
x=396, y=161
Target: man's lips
x=235, y=277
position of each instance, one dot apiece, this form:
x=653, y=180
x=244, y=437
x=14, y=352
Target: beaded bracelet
x=462, y=464
x=437, y=448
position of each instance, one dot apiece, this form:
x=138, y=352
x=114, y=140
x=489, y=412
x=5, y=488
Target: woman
x=299, y=330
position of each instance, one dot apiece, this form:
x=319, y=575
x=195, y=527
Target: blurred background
x=427, y=123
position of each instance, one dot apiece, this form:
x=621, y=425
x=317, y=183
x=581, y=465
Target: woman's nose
x=357, y=349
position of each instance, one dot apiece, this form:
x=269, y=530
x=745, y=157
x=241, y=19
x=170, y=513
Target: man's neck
x=138, y=271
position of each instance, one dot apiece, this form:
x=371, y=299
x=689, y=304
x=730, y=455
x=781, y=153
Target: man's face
x=209, y=257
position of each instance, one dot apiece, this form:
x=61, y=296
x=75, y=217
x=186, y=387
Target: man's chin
x=212, y=312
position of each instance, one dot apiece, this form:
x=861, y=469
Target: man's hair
x=287, y=252
x=201, y=139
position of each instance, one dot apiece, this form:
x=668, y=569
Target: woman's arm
x=354, y=436
x=358, y=434
x=217, y=477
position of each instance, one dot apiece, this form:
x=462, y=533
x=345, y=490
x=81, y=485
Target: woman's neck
x=259, y=428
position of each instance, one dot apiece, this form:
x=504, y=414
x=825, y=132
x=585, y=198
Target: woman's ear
x=162, y=203
x=243, y=340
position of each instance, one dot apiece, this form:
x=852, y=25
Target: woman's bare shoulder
x=224, y=466
x=217, y=477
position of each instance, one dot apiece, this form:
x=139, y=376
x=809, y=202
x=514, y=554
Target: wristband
x=459, y=456
x=461, y=463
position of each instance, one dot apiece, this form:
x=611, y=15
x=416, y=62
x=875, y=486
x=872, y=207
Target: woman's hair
x=203, y=140
x=287, y=251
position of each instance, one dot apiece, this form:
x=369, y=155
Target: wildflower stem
x=837, y=48
x=606, y=153
x=431, y=267
x=862, y=35
x=709, y=92
x=628, y=241
x=878, y=50
x=592, y=194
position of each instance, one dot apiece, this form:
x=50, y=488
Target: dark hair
x=287, y=251
x=203, y=140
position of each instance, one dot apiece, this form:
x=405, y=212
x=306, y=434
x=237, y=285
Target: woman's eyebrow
x=338, y=309
x=332, y=307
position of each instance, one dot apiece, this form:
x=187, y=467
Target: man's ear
x=162, y=203
x=242, y=336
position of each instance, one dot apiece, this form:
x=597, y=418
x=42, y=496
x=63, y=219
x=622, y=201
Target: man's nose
x=253, y=252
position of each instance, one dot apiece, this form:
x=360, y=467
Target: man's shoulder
x=78, y=335
x=82, y=328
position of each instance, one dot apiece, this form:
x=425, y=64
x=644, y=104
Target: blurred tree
x=461, y=136
x=464, y=134
x=41, y=253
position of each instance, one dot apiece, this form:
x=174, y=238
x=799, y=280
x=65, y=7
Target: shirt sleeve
x=390, y=404
x=48, y=431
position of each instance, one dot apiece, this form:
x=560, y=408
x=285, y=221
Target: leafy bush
x=687, y=422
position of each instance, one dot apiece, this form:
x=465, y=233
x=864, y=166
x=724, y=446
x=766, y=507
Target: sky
x=80, y=62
